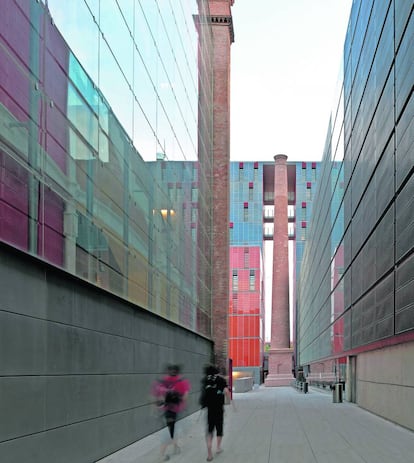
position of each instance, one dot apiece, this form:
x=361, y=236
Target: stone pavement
x=283, y=425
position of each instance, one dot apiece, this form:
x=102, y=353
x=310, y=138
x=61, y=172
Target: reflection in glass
x=107, y=170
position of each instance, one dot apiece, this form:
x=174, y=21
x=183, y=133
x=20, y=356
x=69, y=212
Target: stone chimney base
x=280, y=368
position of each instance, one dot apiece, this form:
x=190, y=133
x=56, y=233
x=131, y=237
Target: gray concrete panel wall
x=385, y=379
x=77, y=364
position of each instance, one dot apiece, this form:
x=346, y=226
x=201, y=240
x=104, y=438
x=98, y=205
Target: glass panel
x=79, y=29
x=91, y=203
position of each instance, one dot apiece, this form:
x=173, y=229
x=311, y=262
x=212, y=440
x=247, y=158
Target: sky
x=285, y=67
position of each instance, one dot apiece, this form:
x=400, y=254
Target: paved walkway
x=282, y=425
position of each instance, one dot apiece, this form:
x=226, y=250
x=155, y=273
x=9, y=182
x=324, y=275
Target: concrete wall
x=243, y=384
x=76, y=365
x=385, y=383
x=255, y=372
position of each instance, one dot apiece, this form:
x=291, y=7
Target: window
x=252, y=280
x=235, y=283
x=303, y=214
x=235, y=303
x=269, y=212
x=246, y=257
x=241, y=171
x=303, y=234
x=268, y=230
x=308, y=191
x=250, y=191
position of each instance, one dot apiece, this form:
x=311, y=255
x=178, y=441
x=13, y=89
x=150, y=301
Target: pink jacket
x=178, y=384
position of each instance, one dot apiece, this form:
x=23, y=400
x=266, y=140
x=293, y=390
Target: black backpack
x=172, y=397
x=212, y=393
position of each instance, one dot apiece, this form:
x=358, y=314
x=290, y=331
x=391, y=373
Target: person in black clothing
x=214, y=391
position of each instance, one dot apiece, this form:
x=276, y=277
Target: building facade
x=355, y=304
x=252, y=199
x=107, y=156
x=246, y=281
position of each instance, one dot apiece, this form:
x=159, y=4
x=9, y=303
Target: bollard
x=337, y=393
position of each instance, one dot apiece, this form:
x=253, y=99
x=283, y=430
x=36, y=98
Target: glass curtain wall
x=246, y=286
x=105, y=146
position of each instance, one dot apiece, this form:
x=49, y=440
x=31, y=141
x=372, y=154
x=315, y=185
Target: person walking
x=171, y=393
x=214, y=393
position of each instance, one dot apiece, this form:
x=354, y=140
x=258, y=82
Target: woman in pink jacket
x=171, y=392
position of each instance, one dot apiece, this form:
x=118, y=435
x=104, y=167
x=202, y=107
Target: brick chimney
x=280, y=354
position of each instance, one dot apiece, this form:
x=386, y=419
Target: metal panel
x=404, y=296
x=405, y=219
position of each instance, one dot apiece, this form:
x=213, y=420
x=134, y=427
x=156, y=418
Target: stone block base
x=280, y=368
x=242, y=384
x=278, y=380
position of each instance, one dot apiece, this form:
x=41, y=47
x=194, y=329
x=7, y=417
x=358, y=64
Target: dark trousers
x=170, y=418
x=215, y=420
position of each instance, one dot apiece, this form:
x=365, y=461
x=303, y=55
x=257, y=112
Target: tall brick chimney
x=223, y=36
x=280, y=354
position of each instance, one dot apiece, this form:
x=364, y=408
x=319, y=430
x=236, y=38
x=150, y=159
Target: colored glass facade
x=356, y=285
x=246, y=305
x=246, y=202
x=307, y=175
x=98, y=102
